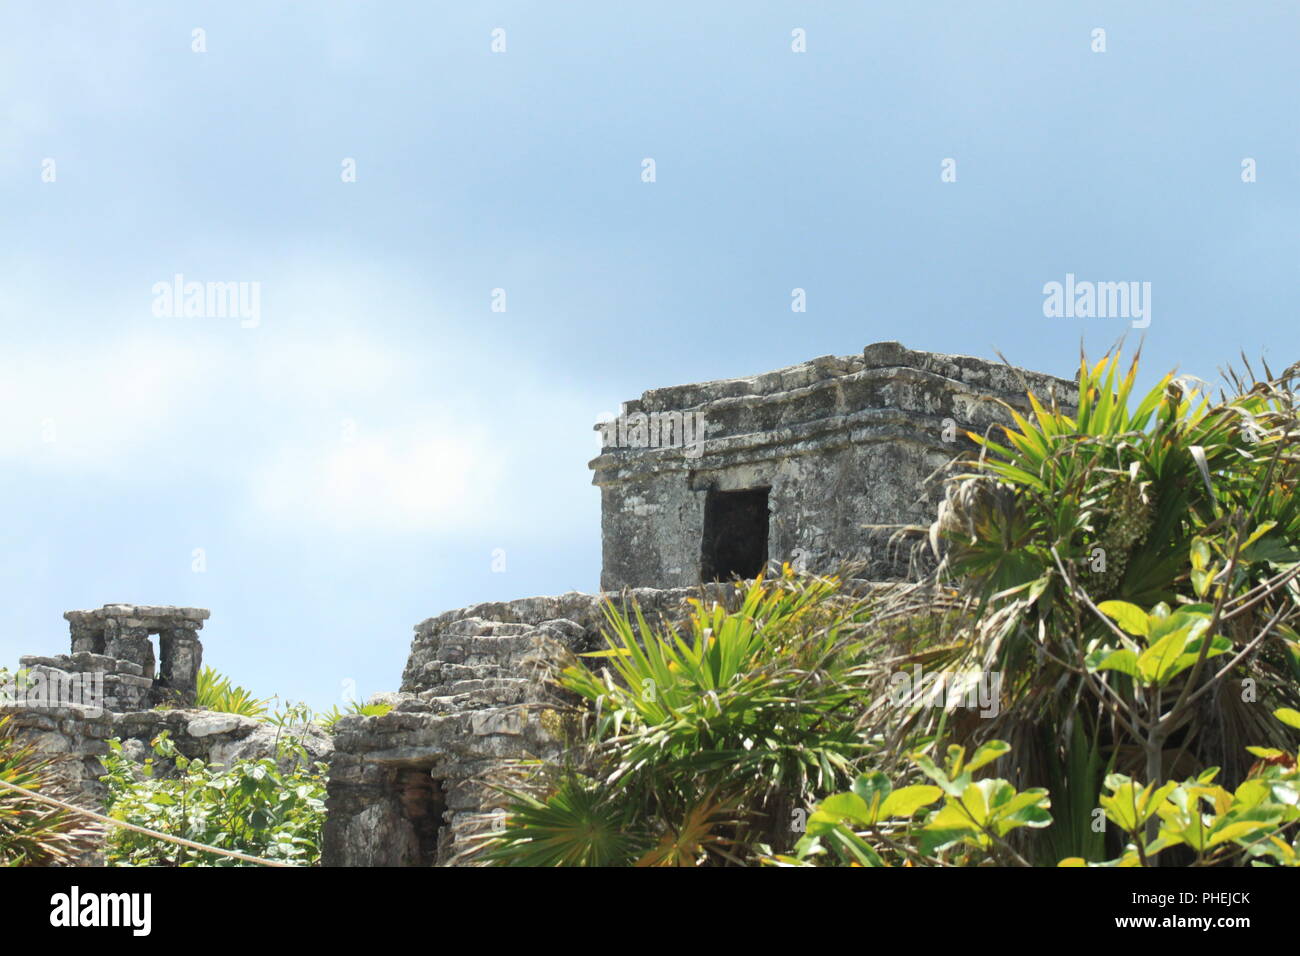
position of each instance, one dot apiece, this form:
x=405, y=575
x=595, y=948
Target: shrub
x=269, y=808
x=332, y=716
x=34, y=833
x=1171, y=502
x=876, y=825
x=214, y=691
x=1129, y=572
x=705, y=741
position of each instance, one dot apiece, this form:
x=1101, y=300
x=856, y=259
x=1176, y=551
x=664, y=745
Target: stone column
x=87, y=638
x=129, y=644
x=182, y=657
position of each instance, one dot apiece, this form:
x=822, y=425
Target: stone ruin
x=117, y=635
x=698, y=482
x=410, y=787
x=794, y=462
x=109, y=686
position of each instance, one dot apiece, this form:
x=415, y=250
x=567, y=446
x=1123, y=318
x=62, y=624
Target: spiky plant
x=214, y=691
x=1115, y=501
x=32, y=832
x=712, y=736
x=329, y=718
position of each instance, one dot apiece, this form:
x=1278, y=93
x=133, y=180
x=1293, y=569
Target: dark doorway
x=735, y=534
x=422, y=803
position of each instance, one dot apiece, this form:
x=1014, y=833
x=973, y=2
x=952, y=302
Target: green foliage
x=876, y=825
x=33, y=833
x=579, y=823
x=11, y=683
x=289, y=716
x=1062, y=534
x=1137, y=482
x=710, y=736
x=1128, y=571
x=1254, y=824
x=216, y=692
x=329, y=718
x=1173, y=642
x=268, y=808
x=1076, y=776
x=744, y=693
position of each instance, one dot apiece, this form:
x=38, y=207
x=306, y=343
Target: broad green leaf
x=844, y=806
x=977, y=799
x=873, y=787
x=1201, y=579
x=1129, y=807
x=1288, y=716
x=933, y=839
x=954, y=762
x=1234, y=830
x=927, y=766
x=852, y=845
x=1259, y=532
x=1157, y=662
x=1220, y=645
x=987, y=753
x=1163, y=621
x=1253, y=792
x=953, y=816
x=1129, y=617
x=904, y=802
x=1266, y=753
x=1105, y=659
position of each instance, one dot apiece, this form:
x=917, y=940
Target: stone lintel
x=890, y=394
x=142, y=615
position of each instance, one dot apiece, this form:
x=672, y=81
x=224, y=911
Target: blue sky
x=349, y=465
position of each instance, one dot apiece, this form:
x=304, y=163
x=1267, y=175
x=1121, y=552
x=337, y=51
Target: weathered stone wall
x=111, y=675
x=79, y=735
x=122, y=632
x=841, y=442
x=409, y=788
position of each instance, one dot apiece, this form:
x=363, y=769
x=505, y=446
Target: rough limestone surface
x=122, y=632
x=409, y=788
x=833, y=444
x=70, y=705
x=838, y=442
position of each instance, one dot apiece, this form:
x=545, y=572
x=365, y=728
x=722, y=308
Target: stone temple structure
x=697, y=482
x=109, y=686
x=121, y=632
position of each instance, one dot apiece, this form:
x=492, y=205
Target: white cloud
x=400, y=480
x=341, y=433
x=94, y=408
x=313, y=420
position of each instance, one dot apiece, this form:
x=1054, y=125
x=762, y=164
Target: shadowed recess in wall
x=735, y=534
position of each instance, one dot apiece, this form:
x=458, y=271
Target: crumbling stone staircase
x=472, y=694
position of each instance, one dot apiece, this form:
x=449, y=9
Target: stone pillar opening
x=180, y=657
x=125, y=632
x=735, y=534
x=88, y=638
x=422, y=803
x=130, y=643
